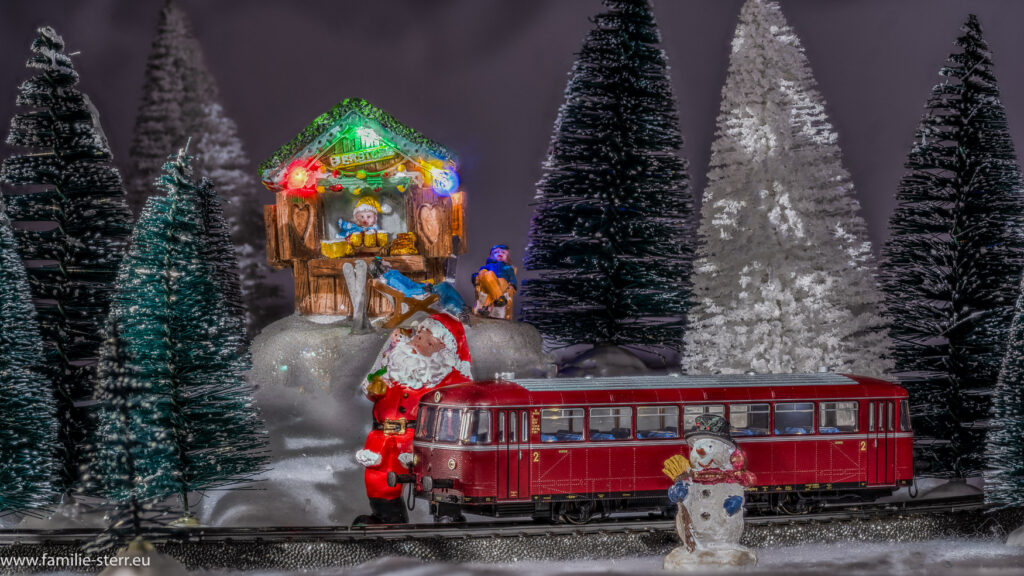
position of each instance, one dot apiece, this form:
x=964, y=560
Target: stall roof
x=409, y=141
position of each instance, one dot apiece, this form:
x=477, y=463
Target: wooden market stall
x=352, y=157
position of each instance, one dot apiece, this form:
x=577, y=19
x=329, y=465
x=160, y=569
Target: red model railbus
x=566, y=449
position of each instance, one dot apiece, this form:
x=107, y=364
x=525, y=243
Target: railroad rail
x=487, y=529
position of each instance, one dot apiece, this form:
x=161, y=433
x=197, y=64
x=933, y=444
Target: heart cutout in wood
x=301, y=219
x=430, y=222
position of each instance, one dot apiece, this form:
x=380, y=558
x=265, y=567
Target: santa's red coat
x=398, y=402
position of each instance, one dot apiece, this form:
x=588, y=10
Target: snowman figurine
x=709, y=492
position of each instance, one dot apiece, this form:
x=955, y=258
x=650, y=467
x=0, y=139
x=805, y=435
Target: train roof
x=680, y=381
x=665, y=389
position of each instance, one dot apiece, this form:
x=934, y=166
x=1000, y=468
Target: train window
x=794, y=418
x=905, y=416
x=479, y=429
x=690, y=413
x=837, y=417
x=561, y=424
x=750, y=419
x=871, y=416
x=449, y=425
x=611, y=423
x=501, y=426
x=657, y=422
x=892, y=417
x=427, y=420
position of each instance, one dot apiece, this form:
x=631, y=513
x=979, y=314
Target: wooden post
x=459, y=246
x=302, y=288
x=273, y=241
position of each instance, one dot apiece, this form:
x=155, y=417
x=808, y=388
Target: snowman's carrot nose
x=701, y=451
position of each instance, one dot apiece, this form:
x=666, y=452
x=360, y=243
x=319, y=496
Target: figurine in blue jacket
x=495, y=284
x=708, y=489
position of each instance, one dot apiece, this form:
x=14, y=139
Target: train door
x=872, y=444
x=524, y=454
x=881, y=447
x=889, y=464
x=511, y=436
x=502, y=449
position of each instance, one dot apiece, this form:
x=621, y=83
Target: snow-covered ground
x=930, y=558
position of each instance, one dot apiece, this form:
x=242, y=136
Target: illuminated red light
x=298, y=177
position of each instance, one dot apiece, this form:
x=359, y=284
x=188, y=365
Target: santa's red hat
x=451, y=333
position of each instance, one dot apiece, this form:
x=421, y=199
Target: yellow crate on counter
x=336, y=248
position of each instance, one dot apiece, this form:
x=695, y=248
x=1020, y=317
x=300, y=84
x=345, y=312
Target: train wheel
x=577, y=512
x=795, y=504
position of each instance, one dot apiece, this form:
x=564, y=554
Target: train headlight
x=451, y=463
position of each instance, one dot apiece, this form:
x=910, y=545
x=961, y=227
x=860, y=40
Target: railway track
x=491, y=529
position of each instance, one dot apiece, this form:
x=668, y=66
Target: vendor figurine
x=495, y=285
x=363, y=231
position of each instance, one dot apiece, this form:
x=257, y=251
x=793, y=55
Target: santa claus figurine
x=409, y=366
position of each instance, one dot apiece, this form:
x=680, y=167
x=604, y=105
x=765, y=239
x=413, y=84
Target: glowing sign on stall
x=368, y=138
x=359, y=145
x=357, y=157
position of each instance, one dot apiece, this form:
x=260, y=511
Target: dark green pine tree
x=129, y=407
x=72, y=195
x=179, y=100
x=176, y=88
x=28, y=418
x=954, y=259
x=219, y=250
x=1004, y=454
x=611, y=236
x=201, y=429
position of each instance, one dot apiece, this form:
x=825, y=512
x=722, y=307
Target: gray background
x=485, y=77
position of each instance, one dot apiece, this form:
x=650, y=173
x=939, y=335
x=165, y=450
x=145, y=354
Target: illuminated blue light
x=446, y=182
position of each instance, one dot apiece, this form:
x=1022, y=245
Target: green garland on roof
x=325, y=121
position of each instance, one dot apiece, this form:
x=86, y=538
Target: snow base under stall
x=604, y=361
x=1016, y=538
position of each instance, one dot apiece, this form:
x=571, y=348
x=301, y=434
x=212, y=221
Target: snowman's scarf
x=737, y=474
x=719, y=476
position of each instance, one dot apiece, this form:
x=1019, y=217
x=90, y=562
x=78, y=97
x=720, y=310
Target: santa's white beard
x=409, y=368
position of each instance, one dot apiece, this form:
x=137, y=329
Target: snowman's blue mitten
x=733, y=504
x=678, y=491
